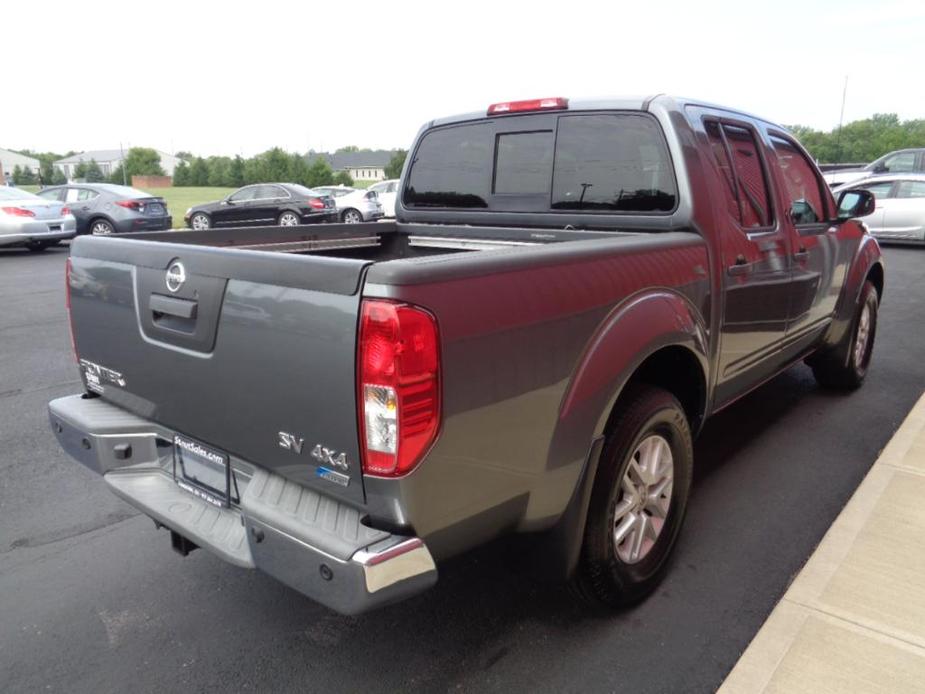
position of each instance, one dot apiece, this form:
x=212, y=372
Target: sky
x=232, y=78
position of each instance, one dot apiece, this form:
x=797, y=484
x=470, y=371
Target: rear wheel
x=288, y=219
x=101, y=227
x=351, y=216
x=845, y=366
x=200, y=221
x=638, y=501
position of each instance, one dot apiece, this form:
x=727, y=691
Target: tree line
x=862, y=141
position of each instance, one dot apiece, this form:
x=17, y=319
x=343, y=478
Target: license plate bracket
x=203, y=471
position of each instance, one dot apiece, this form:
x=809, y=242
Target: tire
x=288, y=219
x=612, y=573
x=200, y=222
x=351, y=216
x=845, y=366
x=101, y=227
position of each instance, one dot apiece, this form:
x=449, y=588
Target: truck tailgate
x=232, y=348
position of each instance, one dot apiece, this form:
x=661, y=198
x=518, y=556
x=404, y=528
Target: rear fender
x=632, y=332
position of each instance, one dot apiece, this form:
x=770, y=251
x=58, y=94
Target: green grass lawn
x=179, y=200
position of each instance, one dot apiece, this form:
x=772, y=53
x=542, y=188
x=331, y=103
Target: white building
x=368, y=165
x=10, y=160
x=109, y=160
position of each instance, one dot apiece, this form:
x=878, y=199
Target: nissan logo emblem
x=176, y=276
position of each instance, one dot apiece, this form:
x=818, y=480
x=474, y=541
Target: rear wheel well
x=678, y=371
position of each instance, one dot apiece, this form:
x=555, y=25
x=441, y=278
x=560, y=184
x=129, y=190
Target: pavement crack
x=69, y=533
x=37, y=389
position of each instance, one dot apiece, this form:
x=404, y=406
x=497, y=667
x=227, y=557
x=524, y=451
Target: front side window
x=801, y=184
x=880, y=190
x=244, y=194
x=612, y=162
x=904, y=162
x=911, y=189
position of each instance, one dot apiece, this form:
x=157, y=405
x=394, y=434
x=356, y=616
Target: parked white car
x=387, y=191
x=903, y=161
x=900, y=211
x=353, y=205
x=28, y=220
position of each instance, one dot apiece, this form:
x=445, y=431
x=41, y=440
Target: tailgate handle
x=172, y=306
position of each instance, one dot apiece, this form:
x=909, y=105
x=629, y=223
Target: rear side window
x=753, y=188
x=745, y=186
x=727, y=175
x=612, y=162
x=911, y=189
x=801, y=183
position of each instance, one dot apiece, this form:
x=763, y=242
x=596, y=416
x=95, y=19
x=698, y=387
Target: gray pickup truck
x=570, y=289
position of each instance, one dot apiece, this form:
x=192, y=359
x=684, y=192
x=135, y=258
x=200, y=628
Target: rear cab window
x=611, y=162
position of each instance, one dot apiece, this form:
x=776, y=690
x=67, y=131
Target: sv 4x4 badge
x=324, y=455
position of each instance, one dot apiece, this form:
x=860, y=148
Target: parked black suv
x=262, y=204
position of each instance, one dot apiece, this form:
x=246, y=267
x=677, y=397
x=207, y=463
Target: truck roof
x=623, y=103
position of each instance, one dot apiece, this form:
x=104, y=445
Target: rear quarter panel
x=534, y=349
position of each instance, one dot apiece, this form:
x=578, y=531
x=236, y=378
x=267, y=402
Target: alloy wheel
x=644, y=500
x=288, y=219
x=863, y=336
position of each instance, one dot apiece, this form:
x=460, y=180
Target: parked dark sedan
x=263, y=204
x=104, y=208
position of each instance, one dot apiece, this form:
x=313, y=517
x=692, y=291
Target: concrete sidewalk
x=854, y=618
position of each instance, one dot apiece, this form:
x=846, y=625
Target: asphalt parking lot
x=92, y=599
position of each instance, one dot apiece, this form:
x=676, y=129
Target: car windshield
x=9, y=193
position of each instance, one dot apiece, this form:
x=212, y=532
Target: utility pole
x=841, y=119
x=124, y=175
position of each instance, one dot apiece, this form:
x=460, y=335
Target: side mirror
x=855, y=202
x=881, y=168
x=228, y=201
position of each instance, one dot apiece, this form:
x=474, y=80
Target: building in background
x=367, y=165
x=10, y=160
x=109, y=160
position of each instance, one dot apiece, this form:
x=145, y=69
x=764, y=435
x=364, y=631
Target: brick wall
x=152, y=181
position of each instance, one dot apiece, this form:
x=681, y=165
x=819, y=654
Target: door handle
x=801, y=254
x=741, y=267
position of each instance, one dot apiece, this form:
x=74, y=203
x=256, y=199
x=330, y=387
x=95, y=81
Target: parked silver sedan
x=28, y=220
x=900, y=210
x=354, y=205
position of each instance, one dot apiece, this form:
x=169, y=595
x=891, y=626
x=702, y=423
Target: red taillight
x=65, y=211
x=399, y=388
x=316, y=203
x=18, y=211
x=551, y=104
x=130, y=204
x=67, y=302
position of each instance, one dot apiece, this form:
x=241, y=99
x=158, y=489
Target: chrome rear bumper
x=315, y=544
